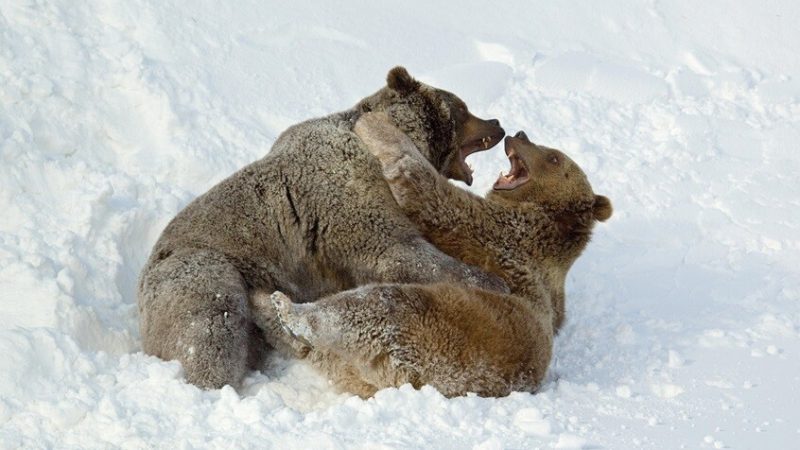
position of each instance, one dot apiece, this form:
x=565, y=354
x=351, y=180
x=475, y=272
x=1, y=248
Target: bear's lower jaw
x=517, y=175
x=464, y=171
x=458, y=169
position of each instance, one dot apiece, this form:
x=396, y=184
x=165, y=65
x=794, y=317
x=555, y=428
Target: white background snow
x=683, y=314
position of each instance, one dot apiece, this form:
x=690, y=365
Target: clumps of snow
x=624, y=391
x=666, y=390
x=530, y=421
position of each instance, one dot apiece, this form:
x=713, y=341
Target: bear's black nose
x=521, y=135
x=494, y=122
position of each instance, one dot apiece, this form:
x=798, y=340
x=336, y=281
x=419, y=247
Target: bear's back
x=260, y=214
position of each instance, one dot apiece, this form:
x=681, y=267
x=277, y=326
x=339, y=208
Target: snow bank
x=684, y=313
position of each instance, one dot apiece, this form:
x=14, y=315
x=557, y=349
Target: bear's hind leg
x=329, y=348
x=193, y=308
x=351, y=335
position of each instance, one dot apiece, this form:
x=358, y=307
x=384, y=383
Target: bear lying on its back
x=313, y=217
x=529, y=230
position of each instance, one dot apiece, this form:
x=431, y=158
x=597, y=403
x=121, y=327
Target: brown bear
x=529, y=230
x=313, y=217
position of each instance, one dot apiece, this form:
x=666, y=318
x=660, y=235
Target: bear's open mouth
x=517, y=176
x=474, y=146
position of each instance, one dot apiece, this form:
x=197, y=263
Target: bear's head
x=548, y=178
x=437, y=121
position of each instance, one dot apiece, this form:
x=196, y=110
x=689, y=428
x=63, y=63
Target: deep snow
x=683, y=314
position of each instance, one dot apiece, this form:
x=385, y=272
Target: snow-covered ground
x=683, y=315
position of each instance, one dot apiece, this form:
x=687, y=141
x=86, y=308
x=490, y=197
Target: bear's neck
x=546, y=250
x=548, y=237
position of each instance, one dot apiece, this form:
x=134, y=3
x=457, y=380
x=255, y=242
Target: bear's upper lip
x=474, y=146
x=519, y=173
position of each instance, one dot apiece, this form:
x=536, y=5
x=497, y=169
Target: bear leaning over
x=313, y=217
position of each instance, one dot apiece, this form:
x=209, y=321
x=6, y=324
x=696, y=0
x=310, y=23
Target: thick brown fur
x=457, y=338
x=313, y=217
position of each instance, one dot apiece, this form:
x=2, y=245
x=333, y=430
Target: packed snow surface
x=683, y=314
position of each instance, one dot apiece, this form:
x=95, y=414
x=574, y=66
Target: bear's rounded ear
x=398, y=79
x=602, y=208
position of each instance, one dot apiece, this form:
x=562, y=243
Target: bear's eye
x=554, y=159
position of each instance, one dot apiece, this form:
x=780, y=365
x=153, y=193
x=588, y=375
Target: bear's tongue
x=518, y=175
